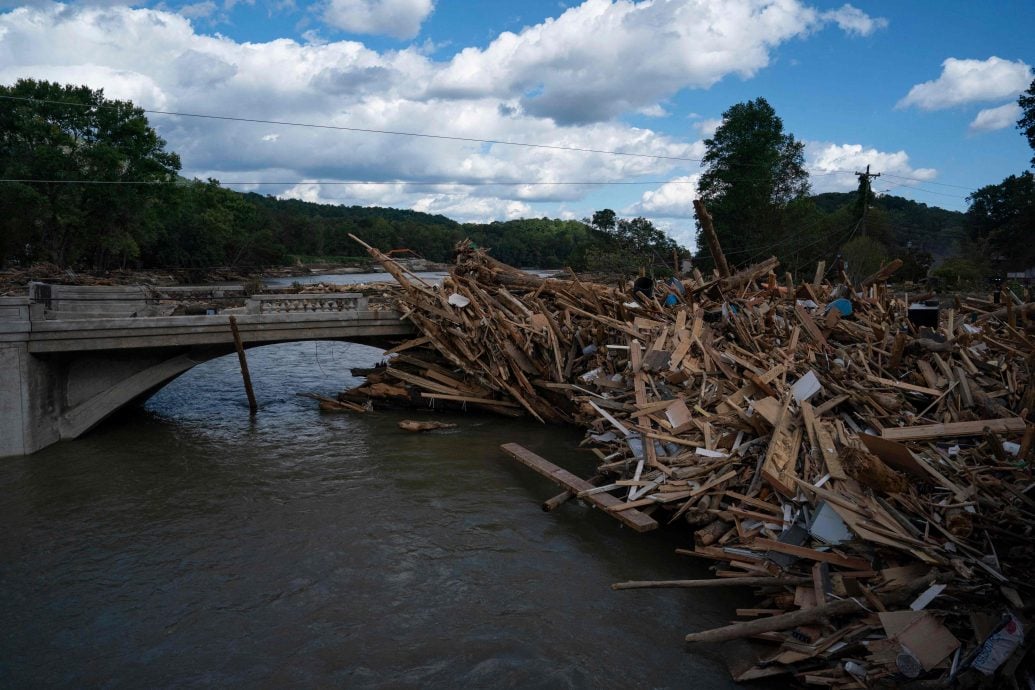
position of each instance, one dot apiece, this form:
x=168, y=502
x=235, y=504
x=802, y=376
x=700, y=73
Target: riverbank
x=15, y=281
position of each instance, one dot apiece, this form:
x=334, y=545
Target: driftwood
x=332, y=405
x=415, y=426
x=807, y=616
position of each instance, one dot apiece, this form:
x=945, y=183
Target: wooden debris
x=633, y=518
x=332, y=405
x=415, y=426
x=831, y=461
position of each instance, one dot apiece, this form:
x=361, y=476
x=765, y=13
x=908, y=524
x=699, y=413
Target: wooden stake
x=253, y=407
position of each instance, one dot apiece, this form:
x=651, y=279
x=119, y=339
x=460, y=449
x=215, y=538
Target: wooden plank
x=416, y=342
x=1006, y=425
x=817, y=280
x=810, y=326
x=421, y=382
x=928, y=373
x=609, y=417
x=826, y=446
x=631, y=517
x=830, y=404
x=653, y=499
x=811, y=554
x=903, y=386
x=782, y=454
x=469, y=399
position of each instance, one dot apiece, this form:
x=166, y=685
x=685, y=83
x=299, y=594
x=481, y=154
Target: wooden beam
x=253, y=407
x=851, y=562
x=1007, y=425
x=633, y=518
x=469, y=399
x=892, y=383
x=717, y=582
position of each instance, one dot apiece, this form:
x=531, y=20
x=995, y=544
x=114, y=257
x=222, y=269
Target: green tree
x=754, y=184
x=604, y=220
x=1027, y=122
x=57, y=137
x=863, y=256
x=627, y=245
x=1001, y=221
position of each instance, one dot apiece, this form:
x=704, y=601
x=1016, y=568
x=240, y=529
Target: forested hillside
x=906, y=223
x=89, y=184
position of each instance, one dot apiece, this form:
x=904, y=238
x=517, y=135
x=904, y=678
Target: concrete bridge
x=72, y=355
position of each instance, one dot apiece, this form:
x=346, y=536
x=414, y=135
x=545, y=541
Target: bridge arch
x=97, y=385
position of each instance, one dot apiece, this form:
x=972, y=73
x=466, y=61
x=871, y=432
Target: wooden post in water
x=253, y=407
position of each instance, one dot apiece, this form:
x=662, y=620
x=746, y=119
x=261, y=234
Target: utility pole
x=864, y=189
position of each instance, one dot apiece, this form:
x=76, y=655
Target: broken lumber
x=632, y=517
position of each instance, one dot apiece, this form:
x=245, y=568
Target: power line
x=368, y=130
x=929, y=191
x=469, y=183
x=444, y=137
x=787, y=241
x=917, y=179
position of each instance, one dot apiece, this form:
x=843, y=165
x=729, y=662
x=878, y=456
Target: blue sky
x=924, y=92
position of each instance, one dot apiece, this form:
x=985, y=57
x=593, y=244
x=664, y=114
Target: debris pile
x=869, y=477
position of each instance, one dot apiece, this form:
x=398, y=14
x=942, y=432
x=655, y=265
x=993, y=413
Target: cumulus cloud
x=198, y=10
x=396, y=18
x=828, y=163
x=122, y=84
x=674, y=199
x=970, y=81
x=590, y=64
x=991, y=119
x=854, y=21
x=708, y=126
x=656, y=110
x=158, y=59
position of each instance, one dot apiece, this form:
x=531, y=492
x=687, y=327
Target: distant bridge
x=72, y=355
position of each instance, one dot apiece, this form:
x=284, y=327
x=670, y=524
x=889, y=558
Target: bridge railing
x=71, y=302
x=62, y=302
x=317, y=303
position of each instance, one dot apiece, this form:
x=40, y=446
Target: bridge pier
x=44, y=399
x=61, y=376
x=27, y=402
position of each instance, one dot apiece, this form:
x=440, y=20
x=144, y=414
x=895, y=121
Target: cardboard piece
x=921, y=634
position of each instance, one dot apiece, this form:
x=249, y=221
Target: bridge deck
x=169, y=331
x=269, y=319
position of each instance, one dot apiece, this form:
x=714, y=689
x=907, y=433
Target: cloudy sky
x=923, y=91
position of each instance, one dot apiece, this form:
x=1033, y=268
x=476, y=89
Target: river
x=182, y=544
